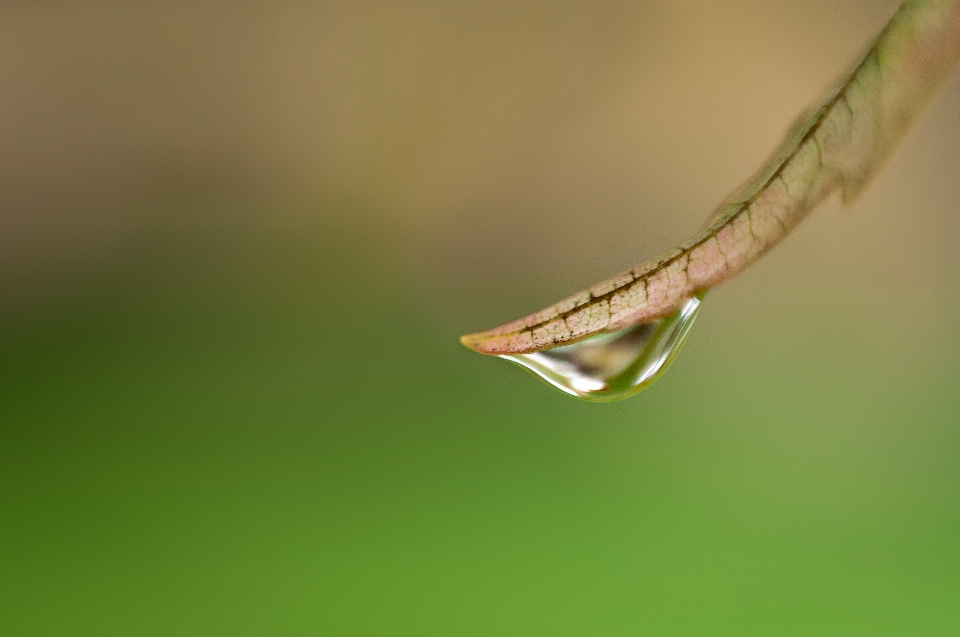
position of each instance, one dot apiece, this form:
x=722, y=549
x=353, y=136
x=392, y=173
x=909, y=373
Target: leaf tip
x=470, y=341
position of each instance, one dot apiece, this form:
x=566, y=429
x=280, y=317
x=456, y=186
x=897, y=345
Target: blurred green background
x=238, y=242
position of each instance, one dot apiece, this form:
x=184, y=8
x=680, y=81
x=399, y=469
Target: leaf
x=837, y=146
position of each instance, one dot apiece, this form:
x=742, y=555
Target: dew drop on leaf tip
x=614, y=365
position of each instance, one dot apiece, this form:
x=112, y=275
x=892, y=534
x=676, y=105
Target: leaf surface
x=838, y=145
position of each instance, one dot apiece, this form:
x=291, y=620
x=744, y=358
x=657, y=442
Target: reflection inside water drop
x=614, y=365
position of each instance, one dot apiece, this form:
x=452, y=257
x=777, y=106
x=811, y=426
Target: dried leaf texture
x=837, y=146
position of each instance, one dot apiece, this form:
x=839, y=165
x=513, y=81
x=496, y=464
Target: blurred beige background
x=563, y=140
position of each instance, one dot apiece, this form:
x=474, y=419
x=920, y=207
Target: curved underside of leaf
x=839, y=145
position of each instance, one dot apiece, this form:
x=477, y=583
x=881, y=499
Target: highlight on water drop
x=614, y=365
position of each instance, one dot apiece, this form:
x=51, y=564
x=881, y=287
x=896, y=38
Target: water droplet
x=614, y=365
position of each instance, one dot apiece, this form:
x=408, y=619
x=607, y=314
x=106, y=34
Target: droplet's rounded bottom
x=614, y=365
